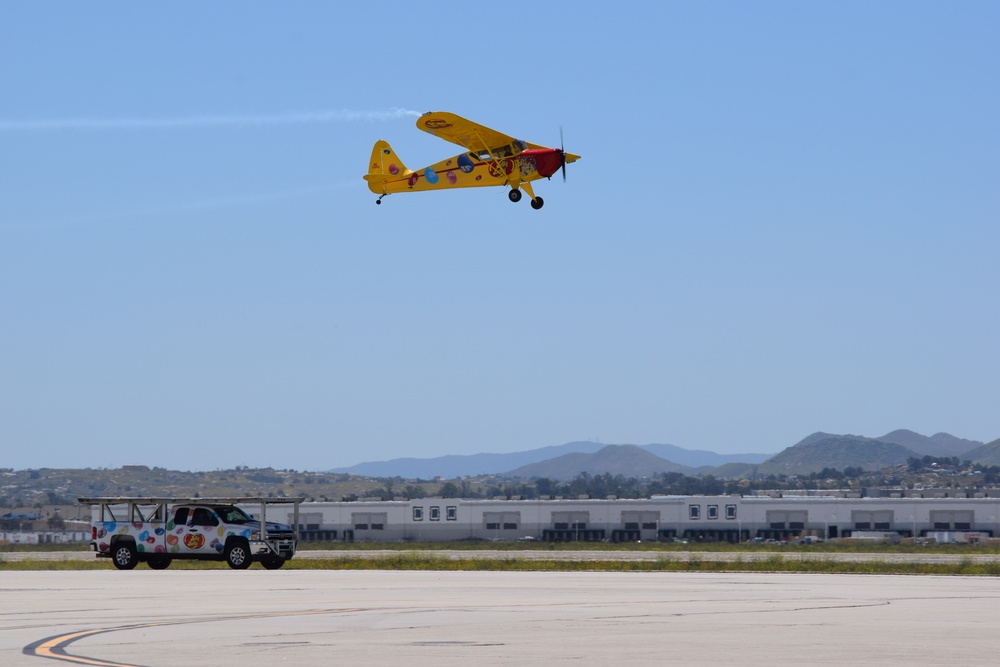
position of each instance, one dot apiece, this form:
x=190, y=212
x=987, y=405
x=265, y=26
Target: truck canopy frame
x=135, y=502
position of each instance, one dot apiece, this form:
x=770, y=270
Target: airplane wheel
x=537, y=203
x=514, y=195
x=378, y=201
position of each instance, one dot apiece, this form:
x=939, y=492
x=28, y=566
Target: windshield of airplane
x=509, y=150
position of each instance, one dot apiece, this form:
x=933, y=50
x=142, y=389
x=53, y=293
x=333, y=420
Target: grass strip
x=417, y=561
x=843, y=546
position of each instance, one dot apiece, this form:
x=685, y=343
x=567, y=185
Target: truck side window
x=181, y=516
x=203, y=517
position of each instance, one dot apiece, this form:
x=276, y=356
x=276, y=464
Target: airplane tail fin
x=385, y=164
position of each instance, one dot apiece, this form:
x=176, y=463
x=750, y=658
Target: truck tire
x=272, y=563
x=124, y=555
x=238, y=554
x=158, y=562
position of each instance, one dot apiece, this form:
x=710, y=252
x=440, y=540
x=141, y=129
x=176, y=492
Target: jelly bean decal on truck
x=155, y=531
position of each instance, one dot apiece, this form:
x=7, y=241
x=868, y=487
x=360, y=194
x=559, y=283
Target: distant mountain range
x=811, y=454
x=665, y=458
x=495, y=464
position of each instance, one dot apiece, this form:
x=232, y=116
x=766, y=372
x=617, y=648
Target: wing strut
x=489, y=151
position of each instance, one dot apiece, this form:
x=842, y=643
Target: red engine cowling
x=547, y=160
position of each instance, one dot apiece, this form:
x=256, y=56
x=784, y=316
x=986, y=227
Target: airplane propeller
x=562, y=153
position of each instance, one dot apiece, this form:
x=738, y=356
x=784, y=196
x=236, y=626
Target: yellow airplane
x=492, y=158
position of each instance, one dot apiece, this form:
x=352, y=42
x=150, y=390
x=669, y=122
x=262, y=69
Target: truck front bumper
x=283, y=549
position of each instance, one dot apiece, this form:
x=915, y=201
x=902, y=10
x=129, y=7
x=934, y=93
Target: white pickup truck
x=157, y=530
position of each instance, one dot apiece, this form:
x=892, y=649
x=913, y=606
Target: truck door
x=200, y=534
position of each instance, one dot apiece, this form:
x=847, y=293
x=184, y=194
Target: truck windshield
x=232, y=515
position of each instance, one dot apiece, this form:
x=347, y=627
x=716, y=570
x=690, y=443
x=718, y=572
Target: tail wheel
x=514, y=195
x=238, y=555
x=537, y=203
x=124, y=555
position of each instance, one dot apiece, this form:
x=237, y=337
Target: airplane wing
x=465, y=133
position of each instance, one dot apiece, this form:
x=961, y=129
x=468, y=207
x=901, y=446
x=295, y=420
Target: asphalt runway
x=415, y=618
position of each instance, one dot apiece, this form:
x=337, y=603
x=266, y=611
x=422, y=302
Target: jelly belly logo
x=194, y=541
x=436, y=124
x=501, y=168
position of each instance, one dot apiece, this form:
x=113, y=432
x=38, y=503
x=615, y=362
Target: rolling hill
x=626, y=460
x=823, y=450
x=699, y=458
x=939, y=444
x=988, y=454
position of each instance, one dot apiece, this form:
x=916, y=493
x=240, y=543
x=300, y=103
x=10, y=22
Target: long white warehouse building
x=707, y=518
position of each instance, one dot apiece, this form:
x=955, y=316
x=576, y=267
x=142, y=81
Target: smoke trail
x=175, y=208
x=199, y=122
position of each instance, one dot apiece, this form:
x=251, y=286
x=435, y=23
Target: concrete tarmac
x=414, y=618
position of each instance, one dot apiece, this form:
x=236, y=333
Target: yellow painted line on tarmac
x=55, y=647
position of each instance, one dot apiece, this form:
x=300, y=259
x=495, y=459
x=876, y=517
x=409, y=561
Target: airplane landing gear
x=514, y=195
x=379, y=200
x=536, y=202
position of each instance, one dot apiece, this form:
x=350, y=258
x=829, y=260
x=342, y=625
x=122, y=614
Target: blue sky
x=784, y=220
